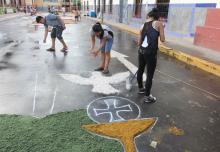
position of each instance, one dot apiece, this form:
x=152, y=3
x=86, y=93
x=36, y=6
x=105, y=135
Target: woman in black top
x=148, y=46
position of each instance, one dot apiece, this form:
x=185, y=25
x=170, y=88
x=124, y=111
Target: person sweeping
x=105, y=34
x=58, y=26
x=147, y=54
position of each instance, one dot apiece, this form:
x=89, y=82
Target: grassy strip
x=60, y=132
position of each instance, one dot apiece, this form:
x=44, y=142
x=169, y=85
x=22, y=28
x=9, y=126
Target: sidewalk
x=181, y=49
x=10, y=16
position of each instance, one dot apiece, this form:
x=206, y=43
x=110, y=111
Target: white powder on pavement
x=2, y=35
x=100, y=83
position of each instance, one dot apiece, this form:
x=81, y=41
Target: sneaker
x=105, y=72
x=149, y=99
x=99, y=69
x=141, y=91
x=51, y=50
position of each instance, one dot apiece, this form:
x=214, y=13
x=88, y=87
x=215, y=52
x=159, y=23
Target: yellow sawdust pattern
x=124, y=131
x=176, y=131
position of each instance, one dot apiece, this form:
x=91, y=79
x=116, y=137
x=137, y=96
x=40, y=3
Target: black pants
x=149, y=61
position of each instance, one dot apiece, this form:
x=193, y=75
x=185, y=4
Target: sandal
x=64, y=50
x=51, y=50
x=105, y=71
x=99, y=69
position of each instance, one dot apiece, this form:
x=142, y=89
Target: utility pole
x=3, y=6
x=102, y=12
x=76, y=4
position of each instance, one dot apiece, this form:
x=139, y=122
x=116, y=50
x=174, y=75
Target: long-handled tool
x=129, y=81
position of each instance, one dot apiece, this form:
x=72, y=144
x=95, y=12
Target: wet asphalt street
x=31, y=84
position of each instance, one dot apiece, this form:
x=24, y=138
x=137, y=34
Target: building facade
x=181, y=16
x=12, y=3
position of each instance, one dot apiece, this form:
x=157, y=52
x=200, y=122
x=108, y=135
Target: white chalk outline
x=117, y=112
x=35, y=92
x=103, y=98
x=53, y=102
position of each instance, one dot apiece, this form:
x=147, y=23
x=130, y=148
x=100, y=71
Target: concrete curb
x=189, y=59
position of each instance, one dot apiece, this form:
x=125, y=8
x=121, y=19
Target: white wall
x=218, y=4
x=115, y=2
x=192, y=1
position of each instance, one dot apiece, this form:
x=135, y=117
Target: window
x=110, y=6
x=137, y=8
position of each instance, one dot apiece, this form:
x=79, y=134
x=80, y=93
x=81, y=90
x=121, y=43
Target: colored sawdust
x=55, y=133
x=124, y=131
x=176, y=131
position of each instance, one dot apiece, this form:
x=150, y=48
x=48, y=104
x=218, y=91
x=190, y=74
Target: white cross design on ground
x=113, y=110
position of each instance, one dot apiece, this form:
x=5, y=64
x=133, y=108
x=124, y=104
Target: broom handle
x=133, y=76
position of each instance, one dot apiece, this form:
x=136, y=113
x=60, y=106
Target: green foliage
x=55, y=133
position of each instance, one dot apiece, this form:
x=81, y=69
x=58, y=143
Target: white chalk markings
x=113, y=110
x=53, y=102
x=100, y=83
x=35, y=93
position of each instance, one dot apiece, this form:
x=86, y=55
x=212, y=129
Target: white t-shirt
x=106, y=34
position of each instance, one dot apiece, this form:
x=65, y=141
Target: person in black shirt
x=148, y=47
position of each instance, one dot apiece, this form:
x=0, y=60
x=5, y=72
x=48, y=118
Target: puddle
x=8, y=41
x=5, y=65
x=8, y=55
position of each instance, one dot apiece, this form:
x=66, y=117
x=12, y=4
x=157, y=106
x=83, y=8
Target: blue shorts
x=108, y=46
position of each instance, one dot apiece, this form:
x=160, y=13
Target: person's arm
x=93, y=42
x=102, y=43
x=61, y=22
x=139, y=38
x=45, y=34
x=161, y=31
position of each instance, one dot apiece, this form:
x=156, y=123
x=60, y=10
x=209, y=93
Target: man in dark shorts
x=58, y=26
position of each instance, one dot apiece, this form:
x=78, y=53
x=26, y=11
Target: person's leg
x=151, y=66
x=108, y=48
x=107, y=60
x=53, y=43
x=64, y=44
x=141, y=68
x=53, y=38
x=102, y=62
x=59, y=33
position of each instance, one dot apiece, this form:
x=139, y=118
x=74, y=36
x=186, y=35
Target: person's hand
x=44, y=41
x=138, y=43
x=95, y=53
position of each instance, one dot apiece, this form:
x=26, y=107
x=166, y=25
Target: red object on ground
x=209, y=35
